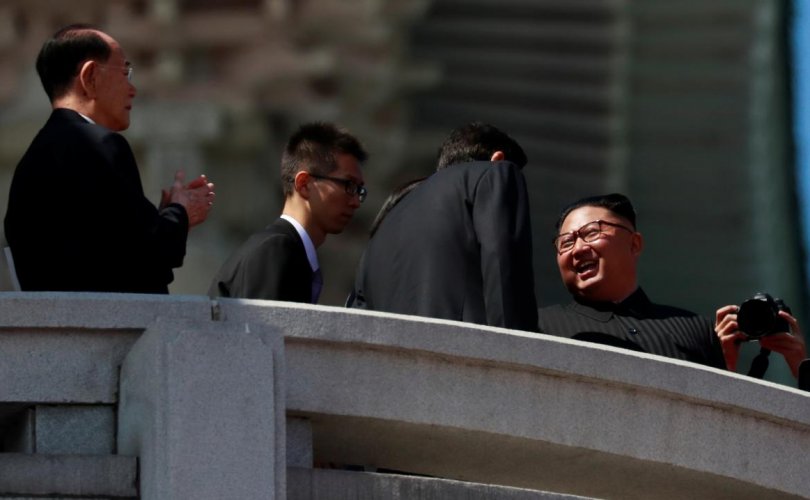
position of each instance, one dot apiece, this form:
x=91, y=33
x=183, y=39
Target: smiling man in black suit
x=77, y=218
x=598, y=247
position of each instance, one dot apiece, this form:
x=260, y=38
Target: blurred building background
x=684, y=106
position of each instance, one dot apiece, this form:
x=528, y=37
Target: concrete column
x=202, y=407
x=299, y=442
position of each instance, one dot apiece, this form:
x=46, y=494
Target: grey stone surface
x=97, y=310
x=71, y=365
x=299, y=442
x=73, y=429
x=57, y=498
x=81, y=338
x=601, y=420
x=198, y=406
x=325, y=484
x=550, y=354
x=68, y=475
x=395, y=392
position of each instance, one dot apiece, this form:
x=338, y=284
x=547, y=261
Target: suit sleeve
x=161, y=234
x=151, y=242
x=503, y=228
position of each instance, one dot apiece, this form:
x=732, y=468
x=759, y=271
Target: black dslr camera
x=759, y=316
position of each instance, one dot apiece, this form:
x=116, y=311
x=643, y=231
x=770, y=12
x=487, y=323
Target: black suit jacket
x=637, y=324
x=77, y=217
x=272, y=265
x=457, y=247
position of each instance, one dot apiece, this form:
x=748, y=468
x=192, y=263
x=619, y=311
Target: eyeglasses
x=590, y=232
x=351, y=187
x=129, y=69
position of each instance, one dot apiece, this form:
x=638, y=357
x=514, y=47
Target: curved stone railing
x=207, y=384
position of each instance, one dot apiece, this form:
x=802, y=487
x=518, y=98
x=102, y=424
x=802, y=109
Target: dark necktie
x=317, y=285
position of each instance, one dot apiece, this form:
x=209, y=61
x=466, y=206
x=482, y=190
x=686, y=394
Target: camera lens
x=756, y=317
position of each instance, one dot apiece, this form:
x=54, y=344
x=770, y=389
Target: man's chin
x=588, y=290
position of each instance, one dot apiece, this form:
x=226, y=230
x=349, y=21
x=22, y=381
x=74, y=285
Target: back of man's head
x=313, y=148
x=617, y=203
x=60, y=58
x=478, y=141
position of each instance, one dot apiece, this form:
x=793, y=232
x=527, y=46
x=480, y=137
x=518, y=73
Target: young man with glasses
x=323, y=186
x=598, y=247
x=77, y=218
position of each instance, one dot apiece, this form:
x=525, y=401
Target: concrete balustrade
x=80, y=476
x=202, y=406
x=205, y=387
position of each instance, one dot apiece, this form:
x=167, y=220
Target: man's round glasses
x=128, y=69
x=352, y=188
x=590, y=232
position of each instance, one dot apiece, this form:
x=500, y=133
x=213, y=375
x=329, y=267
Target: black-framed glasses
x=590, y=232
x=128, y=68
x=352, y=188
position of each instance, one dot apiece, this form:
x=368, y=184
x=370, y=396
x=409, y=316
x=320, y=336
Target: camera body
x=759, y=316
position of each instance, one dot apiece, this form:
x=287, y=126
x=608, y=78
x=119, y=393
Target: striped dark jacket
x=637, y=324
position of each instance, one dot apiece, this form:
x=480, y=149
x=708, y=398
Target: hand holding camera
x=764, y=319
x=759, y=316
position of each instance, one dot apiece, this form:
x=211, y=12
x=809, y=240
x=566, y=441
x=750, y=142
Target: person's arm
x=196, y=198
x=181, y=208
x=503, y=229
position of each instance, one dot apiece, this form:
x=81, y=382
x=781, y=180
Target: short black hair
x=312, y=148
x=61, y=56
x=617, y=203
x=478, y=141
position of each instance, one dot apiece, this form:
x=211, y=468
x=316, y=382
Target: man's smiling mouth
x=586, y=267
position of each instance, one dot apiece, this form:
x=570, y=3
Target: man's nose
x=579, y=245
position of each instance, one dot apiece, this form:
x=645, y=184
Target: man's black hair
x=617, y=203
x=312, y=148
x=477, y=141
x=60, y=58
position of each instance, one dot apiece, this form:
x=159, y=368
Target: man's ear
x=87, y=78
x=301, y=184
x=637, y=244
x=498, y=156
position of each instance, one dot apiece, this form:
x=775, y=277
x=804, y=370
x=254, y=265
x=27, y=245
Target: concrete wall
x=205, y=386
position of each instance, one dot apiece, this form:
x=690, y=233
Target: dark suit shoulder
x=283, y=245
x=662, y=311
x=474, y=171
x=67, y=126
x=272, y=264
x=89, y=150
